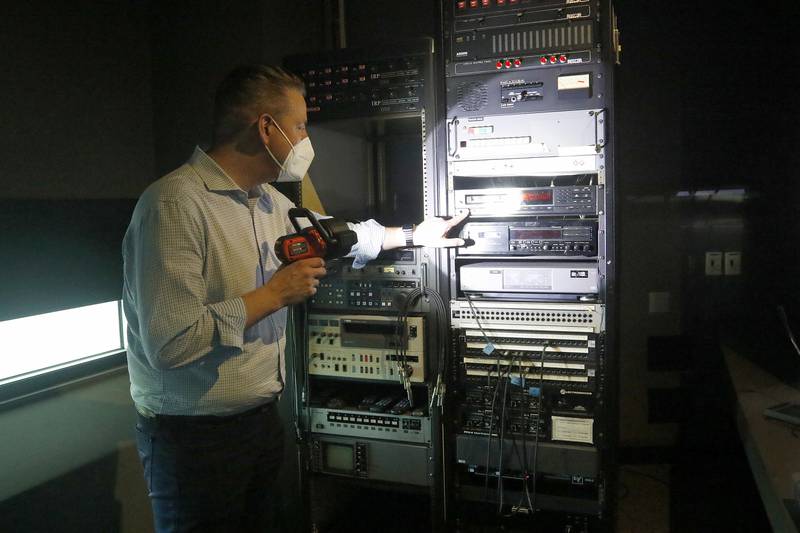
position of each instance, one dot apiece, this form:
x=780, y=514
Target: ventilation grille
x=472, y=96
x=579, y=35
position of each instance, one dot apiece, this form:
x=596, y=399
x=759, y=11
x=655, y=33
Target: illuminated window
x=36, y=344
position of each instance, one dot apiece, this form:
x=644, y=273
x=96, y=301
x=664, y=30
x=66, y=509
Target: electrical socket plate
x=733, y=263
x=713, y=263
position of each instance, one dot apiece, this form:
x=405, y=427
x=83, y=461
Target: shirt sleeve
x=177, y=325
x=370, y=242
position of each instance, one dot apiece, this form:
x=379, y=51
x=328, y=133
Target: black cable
x=489, y=435
x=525, y=415
x=500, y=487
x=438, y=317
x=538, y=423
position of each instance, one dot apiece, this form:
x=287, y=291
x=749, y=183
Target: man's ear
x=264, y=122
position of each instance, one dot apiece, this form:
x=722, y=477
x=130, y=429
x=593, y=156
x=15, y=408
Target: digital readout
x=537, y=197
x=535, y=233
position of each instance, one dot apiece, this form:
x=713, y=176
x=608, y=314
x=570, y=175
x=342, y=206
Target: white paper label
x=573, y=429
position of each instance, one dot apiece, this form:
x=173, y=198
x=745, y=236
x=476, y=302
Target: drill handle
x=297, y=213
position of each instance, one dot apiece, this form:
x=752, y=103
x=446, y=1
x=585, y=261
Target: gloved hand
x=432, y=232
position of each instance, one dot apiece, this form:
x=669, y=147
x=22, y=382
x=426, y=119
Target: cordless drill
x=327, y=238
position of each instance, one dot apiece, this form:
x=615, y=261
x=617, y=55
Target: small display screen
x=535, y=233
x=537, y=197
x=369, y=334
x=338, y=457
x=481, y=130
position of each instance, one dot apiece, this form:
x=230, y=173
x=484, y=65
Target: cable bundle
x=439, y=315
x=504, y=376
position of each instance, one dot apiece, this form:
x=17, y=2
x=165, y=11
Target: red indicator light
x=473, y=3
x=553, y=59
x=563, y=59
x=517, y=62
x=537, y=196
x=485, y=3
x=508, y=63
x=543, y=60
x=501, y=2
x=499, y=64
x=461, y=4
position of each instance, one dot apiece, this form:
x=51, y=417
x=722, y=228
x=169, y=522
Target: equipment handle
x=452, y=131
x=296, y=213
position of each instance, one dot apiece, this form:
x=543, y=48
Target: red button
x=543, y=60
x=461, y=4
x=553, y=59
x=517, y=62
x=501, y=2
x=508, y=63
x=473, y=3
x=499, y=64
x=563, y=59
x=513, y=1
x=485, y=3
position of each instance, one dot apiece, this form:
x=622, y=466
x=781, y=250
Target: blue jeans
x=211, y=474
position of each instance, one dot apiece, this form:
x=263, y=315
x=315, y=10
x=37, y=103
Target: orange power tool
x=327, y=238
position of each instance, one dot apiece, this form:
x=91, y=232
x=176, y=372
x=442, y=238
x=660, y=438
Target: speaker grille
x=472, y=96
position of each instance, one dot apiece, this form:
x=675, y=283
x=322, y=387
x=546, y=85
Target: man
x=205, y=299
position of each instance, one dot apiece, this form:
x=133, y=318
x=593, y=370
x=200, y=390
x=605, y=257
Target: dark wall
x=389, y=22
x=192, y=52
x=77, y=119
x=703, y=103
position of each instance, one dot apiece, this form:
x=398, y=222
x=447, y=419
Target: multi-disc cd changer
x=509, y=201
x=529, y=278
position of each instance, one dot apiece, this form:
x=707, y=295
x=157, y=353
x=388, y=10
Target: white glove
x=432, y=232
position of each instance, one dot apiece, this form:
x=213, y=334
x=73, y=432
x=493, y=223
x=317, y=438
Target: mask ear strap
x=285, y=137
x=280, y=165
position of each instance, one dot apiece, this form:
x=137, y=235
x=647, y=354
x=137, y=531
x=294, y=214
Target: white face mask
x=297, y=162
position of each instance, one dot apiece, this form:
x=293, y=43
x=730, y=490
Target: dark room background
x=99, y=99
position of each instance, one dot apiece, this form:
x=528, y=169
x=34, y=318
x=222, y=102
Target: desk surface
x=773, y=452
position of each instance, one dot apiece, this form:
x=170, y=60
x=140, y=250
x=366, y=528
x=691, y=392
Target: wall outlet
x=733, y=263
x=713, y=263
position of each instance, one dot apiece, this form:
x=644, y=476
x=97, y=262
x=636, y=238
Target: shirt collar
x=214, y=177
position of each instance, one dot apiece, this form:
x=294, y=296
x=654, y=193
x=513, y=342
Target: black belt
x=202, y=420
